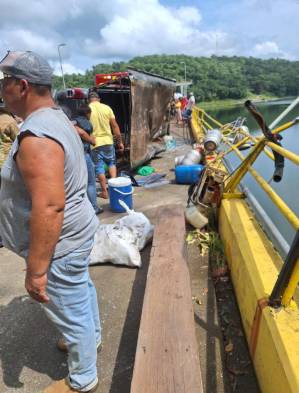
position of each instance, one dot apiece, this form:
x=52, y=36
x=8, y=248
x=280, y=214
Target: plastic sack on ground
x=120, y=243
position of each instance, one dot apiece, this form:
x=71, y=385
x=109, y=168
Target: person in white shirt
x=188, y=110
x=191, y=101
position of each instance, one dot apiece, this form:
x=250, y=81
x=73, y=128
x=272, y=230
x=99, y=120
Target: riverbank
x=227, y=103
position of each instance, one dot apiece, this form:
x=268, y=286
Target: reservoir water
x=288, y=188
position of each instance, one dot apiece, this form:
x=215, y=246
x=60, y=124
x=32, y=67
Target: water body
x=288, y=188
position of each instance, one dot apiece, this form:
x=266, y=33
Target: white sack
x=120, y=243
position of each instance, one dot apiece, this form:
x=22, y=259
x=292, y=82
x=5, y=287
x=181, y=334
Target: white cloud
x=24, y=39
x=153, y=28
x=254, y=22
x=121, y=29
x=67, y=68
x=267, y=49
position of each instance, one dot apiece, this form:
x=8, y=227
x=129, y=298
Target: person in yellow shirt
x=104, y=127
x=178, y=110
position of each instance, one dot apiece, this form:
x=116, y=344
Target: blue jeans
x=187, y=113
x=73, y=308
x=91, y=183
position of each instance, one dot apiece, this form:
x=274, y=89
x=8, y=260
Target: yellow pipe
x=284, y=127
x=281, y=205
x=240, y=143
x=292, y=285
x=246, y=166
x=275, y=131
x=208, y=116
x=284, y=152
x=268, y=153
x=214, y=120
x=233, y=195
x=206, y=124
x=241, y=171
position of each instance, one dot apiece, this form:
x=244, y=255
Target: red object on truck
x=105, y=79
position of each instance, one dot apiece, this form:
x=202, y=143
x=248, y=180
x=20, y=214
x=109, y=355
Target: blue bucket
x=120, y=188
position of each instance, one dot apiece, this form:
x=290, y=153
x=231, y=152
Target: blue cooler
x=120, y=188
x=188, y=174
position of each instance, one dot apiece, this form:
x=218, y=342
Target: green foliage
x=212, y=78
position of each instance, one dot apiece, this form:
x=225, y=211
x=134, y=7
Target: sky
x=104, y=31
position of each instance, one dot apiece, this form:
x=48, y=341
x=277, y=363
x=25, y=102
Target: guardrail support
x=287, y=280
x=243, y=168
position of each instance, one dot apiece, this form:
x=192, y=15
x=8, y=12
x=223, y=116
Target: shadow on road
x=28, y=339
x=123, y=370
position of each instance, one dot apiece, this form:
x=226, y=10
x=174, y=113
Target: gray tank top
x=80, y=222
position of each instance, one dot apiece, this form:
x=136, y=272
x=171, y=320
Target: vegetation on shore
x=227, y=103
x=213, y=79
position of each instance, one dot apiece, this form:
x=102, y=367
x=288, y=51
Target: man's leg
x=108, y=154
x=97, y=158
x=72, y=309
x=95, y=312
x=102, y=180
x=91, y=183
x=112, y=171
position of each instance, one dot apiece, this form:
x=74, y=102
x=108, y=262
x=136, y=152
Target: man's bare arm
x=116, y=132
x=41, y=163
x=85, y=136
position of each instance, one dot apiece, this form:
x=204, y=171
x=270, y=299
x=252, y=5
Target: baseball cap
x=93, y=94
x=27, y=65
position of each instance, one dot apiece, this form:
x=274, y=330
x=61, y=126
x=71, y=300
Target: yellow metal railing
x=201, y=122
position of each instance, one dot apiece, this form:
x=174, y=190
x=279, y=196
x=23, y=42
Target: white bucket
x=195, y=217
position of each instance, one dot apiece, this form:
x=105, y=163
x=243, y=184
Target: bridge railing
x=201, y=122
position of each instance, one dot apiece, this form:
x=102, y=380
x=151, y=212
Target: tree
x=213, y=78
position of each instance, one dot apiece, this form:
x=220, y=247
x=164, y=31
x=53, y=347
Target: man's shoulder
x=105, y=109
x=105, y=106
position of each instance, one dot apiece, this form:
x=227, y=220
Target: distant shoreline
x=231, y=103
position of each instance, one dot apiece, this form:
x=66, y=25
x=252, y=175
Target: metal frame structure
x=288, y=278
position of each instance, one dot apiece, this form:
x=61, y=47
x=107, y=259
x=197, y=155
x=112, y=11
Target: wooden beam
x=167, y=358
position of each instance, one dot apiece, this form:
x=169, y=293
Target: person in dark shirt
x=81, y=122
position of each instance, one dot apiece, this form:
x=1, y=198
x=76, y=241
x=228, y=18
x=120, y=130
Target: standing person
x=46, y=216
x=178, y=111
x=190, y=103
x=184, y=101
x=8, y=132
x=104, y=127
x=81, y=121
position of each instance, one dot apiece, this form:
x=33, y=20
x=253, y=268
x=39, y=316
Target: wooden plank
x=167, y=358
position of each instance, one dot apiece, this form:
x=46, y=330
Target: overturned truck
x=140, y=103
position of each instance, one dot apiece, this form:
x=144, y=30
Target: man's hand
x=36, y=287
x=93, y=140
x=120, y=147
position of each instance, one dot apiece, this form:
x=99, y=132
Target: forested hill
x=213, y=77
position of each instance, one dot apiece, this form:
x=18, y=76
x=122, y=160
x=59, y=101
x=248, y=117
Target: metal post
x=244, y=167
x=284, y=113
x=287, y=276
x=182, y=62
x=58, y=46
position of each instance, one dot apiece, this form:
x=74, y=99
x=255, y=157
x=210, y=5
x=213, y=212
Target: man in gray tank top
x=46, y=216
